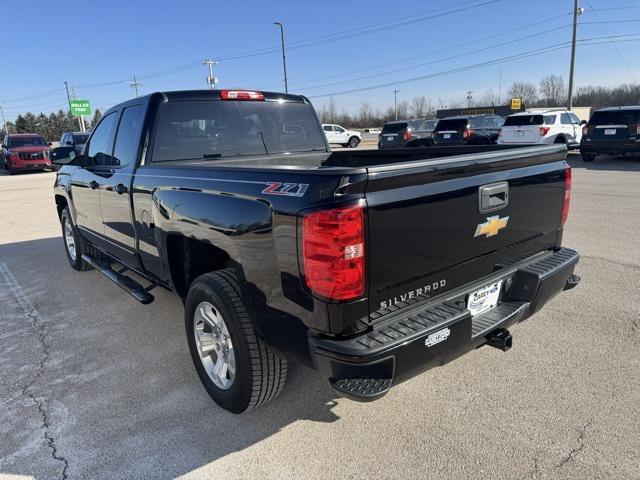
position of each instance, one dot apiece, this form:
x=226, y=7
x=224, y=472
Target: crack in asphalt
x=40, y=402
x=574, y=451
x=615, y=262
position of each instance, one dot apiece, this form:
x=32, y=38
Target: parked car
x=25, y=151
x=337, y=134
x=369, y=266
x=467, y=130
x=76, y=140
x=553, y=126
x=407, y=133
x=372, y=131
x=613, y=131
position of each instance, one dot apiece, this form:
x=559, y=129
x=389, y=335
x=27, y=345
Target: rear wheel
x=588, y=157
x=354, y=142
x=237, y=369
x=560, y=139
x=74, y=246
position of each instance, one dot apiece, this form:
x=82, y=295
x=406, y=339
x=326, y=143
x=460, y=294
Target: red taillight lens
x=467, y=133
x=408, y=134
x=333, y=252
x=567, y=196
x=585, y=129
x=240, y=95
x=499, y=132
x=544, y=131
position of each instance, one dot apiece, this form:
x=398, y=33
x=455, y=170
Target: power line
x=624, y=62
x=527, y=54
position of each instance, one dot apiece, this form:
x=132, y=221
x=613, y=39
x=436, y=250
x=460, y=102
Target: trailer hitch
x=500, y=339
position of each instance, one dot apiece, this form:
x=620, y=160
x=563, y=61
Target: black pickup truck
x=369, y=266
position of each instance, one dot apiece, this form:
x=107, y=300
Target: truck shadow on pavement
x=119, y=394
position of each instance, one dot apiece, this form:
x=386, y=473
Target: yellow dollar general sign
x=516, y=103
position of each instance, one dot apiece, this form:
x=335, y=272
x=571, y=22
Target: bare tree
x=490, y=98
x=525, y=90
x=364, y=116
x=419, y=106
x=552, y=90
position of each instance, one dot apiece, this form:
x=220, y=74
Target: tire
x=588, y=157
x=354, y=142
x=216, y=320
x=69, y=232
x=560, y=139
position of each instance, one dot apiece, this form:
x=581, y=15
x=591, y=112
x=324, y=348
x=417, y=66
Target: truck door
x=85, y=182
x=115, y=176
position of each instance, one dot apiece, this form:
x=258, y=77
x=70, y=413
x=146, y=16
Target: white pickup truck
x=337, y=134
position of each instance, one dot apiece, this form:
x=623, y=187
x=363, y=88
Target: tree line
x=549, y=92
x=51, y=126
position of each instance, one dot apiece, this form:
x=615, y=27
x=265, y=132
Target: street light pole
x=211, y=79
x=576, y=11
x=284, y=59
x=395, y=102
x=469, y=98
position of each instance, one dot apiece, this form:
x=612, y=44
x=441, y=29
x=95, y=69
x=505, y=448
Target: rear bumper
x=611, y=148
x=433, y=332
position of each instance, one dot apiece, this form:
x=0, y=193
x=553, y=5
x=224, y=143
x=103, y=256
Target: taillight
x=637, y=129
x=585, y=129
x=467, y=133
x=241, y=95
x=408, y=134
x=499, y=132
x=333, y=252
x=544, y=131
x=567, y=196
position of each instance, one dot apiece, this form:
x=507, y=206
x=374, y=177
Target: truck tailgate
x=427, y=235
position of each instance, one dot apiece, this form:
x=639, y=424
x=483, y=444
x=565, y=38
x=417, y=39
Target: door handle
x=119, y=189
x=493, y=197
x=93, y=184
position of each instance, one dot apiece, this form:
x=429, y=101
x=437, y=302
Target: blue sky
x=383, y=43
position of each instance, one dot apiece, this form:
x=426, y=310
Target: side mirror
x=63, y=155
x=583, y=122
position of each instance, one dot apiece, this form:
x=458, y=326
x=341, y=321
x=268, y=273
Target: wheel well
x=560, y=139
x=190, y=258
x=61, y=202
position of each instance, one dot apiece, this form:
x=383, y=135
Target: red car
x=25, y=151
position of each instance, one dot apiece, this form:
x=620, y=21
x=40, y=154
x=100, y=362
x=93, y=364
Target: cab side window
x=101, y=143
x=328, y=128
x=126, y=147
x=565, y=119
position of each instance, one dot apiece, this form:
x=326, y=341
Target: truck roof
x=624, y=107
x=25, y=135
x=215, y=94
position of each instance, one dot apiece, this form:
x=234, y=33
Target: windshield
x=80, y=138
x=188, y=130
x=619, y=117
x=35, y=141
x=394, y=127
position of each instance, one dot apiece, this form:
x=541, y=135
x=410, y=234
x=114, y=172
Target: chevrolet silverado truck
x=369, y=266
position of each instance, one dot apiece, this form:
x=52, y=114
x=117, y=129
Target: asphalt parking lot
x=96, y=386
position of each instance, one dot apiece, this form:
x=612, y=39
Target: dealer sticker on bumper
x=437, y=337
x=484, y=299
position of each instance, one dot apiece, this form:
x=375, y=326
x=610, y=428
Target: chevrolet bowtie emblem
x=492, y=226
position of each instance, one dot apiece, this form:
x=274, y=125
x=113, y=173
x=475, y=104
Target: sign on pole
x=80, y=107
x=516, y=103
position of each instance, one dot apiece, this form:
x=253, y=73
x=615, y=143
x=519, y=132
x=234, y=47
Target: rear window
x=35, y=141
x=620, y=117
x=523, y=120
x=452, y=124
x=80, y=138
x=394, y=127
x=190, y=130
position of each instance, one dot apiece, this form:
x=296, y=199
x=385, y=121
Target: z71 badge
x=286, y=189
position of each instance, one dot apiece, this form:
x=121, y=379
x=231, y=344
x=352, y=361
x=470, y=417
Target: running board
x=128, y=284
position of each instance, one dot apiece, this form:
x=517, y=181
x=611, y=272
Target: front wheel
x=238, y=370
x=354, y=142
x=74, y=246
x=588, y=157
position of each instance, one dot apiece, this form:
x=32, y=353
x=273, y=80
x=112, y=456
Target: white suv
x=552, y=126
x=341, y=136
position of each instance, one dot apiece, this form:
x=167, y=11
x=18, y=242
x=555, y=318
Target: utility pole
x=395, y=102
x=211, y=79
x=135, y=84
x=284, y=59
x=469, y=98
x=4, y=120
x=576, y=12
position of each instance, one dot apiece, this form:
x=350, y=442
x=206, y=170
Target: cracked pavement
x=96, y=386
